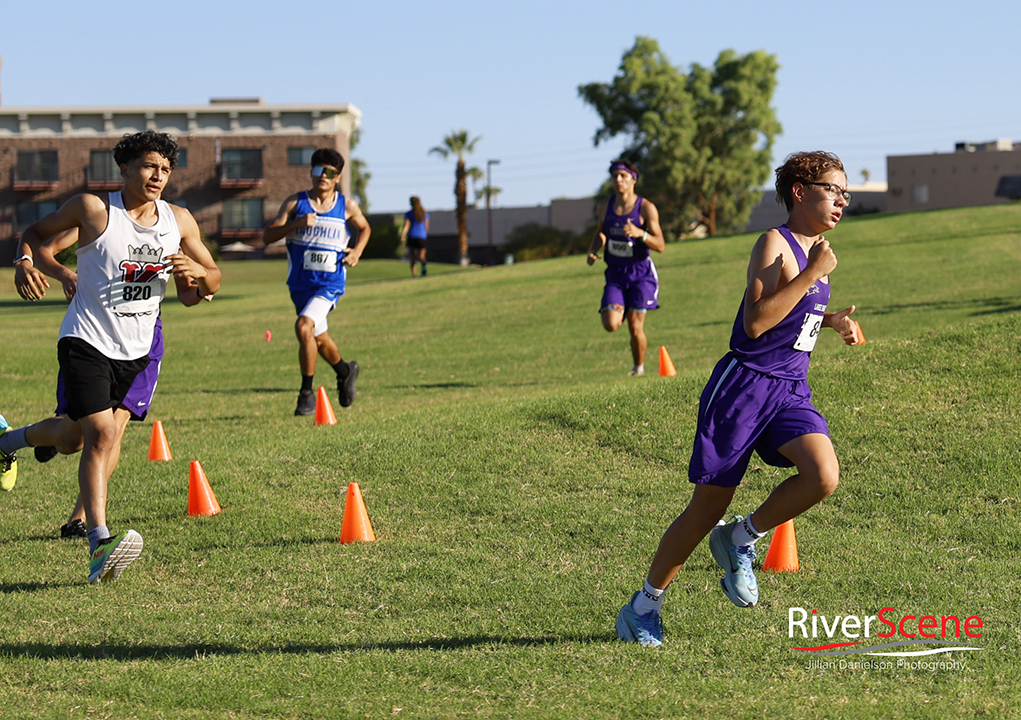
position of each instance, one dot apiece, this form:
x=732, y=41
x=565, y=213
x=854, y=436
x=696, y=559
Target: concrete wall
x=945, y=180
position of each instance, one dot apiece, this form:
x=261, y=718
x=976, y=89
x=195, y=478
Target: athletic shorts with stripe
x=743, y=410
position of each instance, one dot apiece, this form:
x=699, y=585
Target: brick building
x=240, y=158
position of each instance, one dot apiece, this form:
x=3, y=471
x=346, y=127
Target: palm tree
x=476, y=175
x=457, y=143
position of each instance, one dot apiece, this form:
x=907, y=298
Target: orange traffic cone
x=356, y=526
x=324, y=411
x=159, y=449
x=782, y=555
x=666, y=365
x=201, y=500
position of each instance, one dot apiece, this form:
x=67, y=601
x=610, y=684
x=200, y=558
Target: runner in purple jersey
x=629, y=230
x=758, y=398
x=61, y=435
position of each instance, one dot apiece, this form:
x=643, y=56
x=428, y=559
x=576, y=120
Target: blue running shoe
x=8, y=463
x=739, y=583
x=113, y=555
x=646, y=630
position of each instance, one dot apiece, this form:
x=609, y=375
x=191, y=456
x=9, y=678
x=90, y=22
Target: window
x=103, y=169
x=182, y=157
x=920, y=194
x=239, y=164
x=300, y=155
x=36, y=170
x=27, y=213
x=242, y=215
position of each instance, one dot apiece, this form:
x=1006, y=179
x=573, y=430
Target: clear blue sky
x=863, y=79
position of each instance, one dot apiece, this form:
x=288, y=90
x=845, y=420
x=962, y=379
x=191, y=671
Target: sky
x=863, y=79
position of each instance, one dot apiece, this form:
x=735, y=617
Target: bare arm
x=404, y=231
x=286, y=222
x=775, y=286
x=355, y=217
x=598, y=239
x=650, y=233
x=193, y=262
x=81, y=219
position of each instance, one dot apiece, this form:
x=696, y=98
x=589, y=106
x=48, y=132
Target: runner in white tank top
x=122, y=279
x=129, y=244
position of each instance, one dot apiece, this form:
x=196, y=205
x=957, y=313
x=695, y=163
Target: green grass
x=518, y=483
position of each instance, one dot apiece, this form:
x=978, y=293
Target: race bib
x=621, y=248
x=320, y=260
x=809, y=332
x=136, y=298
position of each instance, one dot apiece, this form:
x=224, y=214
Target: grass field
x=518, y=483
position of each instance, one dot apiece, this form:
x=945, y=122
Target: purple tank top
x=784, y=350
x=622, y=251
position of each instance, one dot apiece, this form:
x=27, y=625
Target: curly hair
x=803, y=167
x=131, y=147
x=328, y=156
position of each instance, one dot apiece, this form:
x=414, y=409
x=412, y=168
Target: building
x=575, y=215
x=240, y=158
x=971, y=175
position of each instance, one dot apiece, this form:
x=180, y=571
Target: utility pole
x=489, y=207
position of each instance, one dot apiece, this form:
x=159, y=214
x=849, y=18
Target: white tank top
x=121, y=283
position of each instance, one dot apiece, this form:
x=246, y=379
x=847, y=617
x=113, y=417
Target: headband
x=625, y=168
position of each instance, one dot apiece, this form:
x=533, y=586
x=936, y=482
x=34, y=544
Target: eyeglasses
x=832, y=190
x=328, y=172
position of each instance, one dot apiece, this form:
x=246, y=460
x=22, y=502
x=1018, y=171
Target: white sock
x=650, y=599
x=744, y=533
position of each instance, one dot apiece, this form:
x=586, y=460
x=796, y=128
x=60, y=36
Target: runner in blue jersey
x=629, y=229
x=315, y=223
x=415, y=233
x=758, y=398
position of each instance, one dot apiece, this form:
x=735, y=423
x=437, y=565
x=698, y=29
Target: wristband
x=23, y=258
x=645, y=236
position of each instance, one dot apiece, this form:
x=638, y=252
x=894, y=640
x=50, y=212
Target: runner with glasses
x=315, y=223
x=758, y=399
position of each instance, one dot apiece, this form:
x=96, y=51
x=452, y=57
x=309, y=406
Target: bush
x=533, y=241
x=386, y=236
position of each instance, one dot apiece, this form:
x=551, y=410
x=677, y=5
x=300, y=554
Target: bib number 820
x=136, y=292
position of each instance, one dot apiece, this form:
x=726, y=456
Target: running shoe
x=739, y=584
x=346, y=387
x=306, y=403
x=74, y=529
x=646, y=630
x=45, y=453
x=8, y=463
x=636, y=372
x=114, y=554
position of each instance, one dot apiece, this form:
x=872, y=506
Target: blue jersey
x=315, y=254
x=417, y=228
x=784, y=350
x=621, y=250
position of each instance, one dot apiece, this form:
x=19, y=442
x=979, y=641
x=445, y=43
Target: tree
x=476, y=175
x=490, y=193
x=703, y=141
x=359, y=176
x=457, y=143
